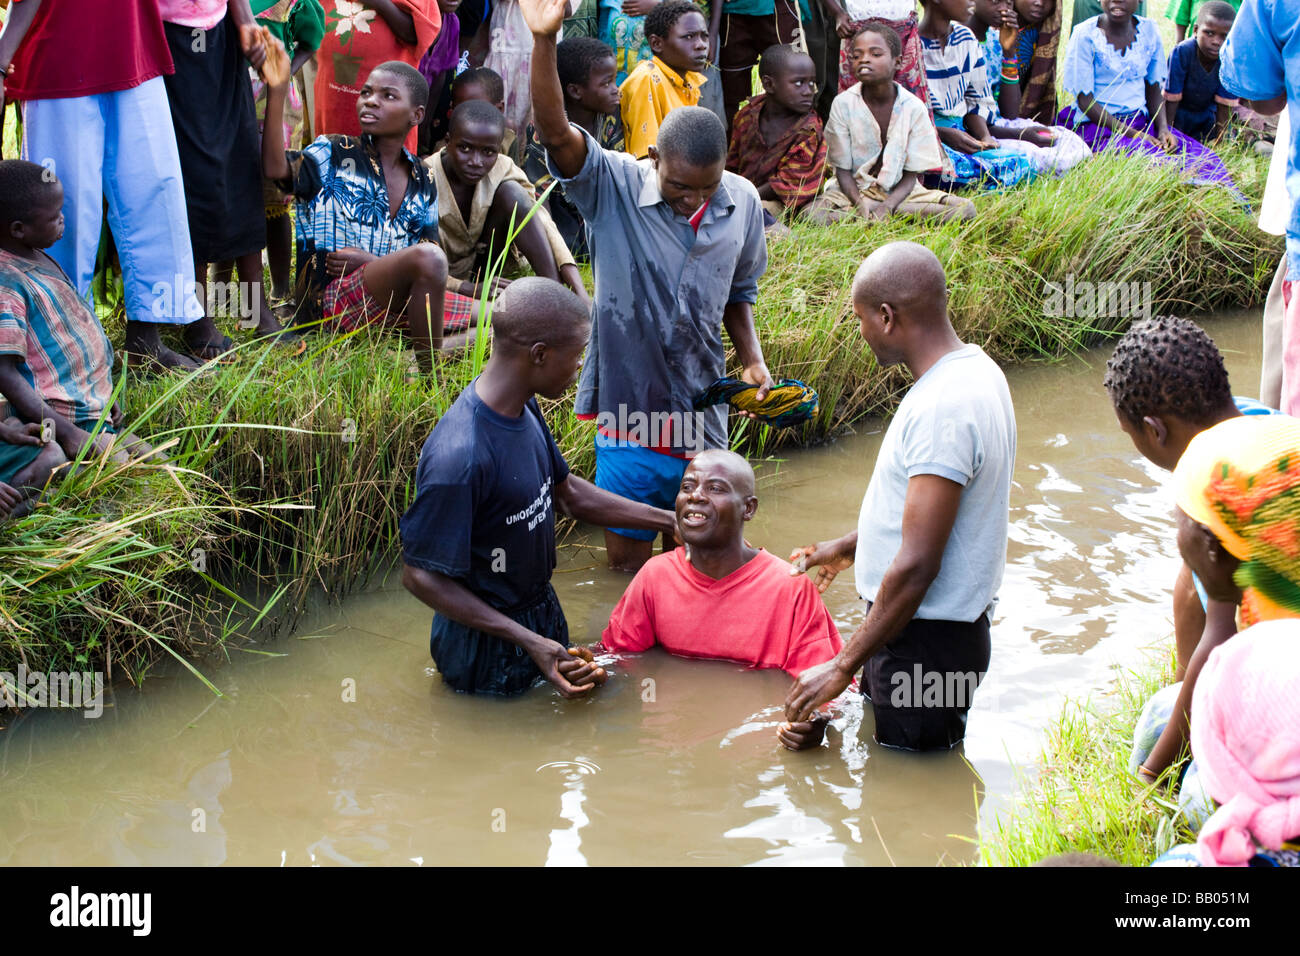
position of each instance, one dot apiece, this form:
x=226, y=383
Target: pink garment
x=201, y=14
x=1291, y=347
x=1246, y=739
x=759, y=614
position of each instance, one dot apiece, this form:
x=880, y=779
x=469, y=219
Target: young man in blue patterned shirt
x=367, y=214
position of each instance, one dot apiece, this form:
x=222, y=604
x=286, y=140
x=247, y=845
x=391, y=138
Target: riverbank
x=305, y=463
x=1083, y=799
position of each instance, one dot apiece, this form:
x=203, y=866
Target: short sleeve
x=1157, y=70
x=943, y=442
x=839, y=148
x=631, y=626
x=1079, y=71
x=752, y=262
x=814, y=638
x=437, y=529
x=13, y=317
x=1250, y=62
x=1177, y=74
x=591, y=190
x=309, y=168
x=306, y=26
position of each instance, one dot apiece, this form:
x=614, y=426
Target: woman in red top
x=359, y=35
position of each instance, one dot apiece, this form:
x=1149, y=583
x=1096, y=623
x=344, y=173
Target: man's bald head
x=907, y=276
x=737, y=470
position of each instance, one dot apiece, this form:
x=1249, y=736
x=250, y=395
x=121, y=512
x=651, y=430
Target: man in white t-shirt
x=931, y=541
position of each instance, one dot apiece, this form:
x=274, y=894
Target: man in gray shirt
x=677, y=250
x=932, y=534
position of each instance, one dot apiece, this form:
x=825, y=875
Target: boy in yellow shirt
x=679, y=36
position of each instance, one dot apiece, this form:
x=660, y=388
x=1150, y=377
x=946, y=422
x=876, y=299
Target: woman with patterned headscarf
x=1238, y=493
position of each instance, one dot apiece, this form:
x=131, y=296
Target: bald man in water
x=932, y=534
x=720, y=598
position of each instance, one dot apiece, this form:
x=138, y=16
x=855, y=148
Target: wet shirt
x=342, y=203
x=661, y=287
x=956, y=422
x=759, y=614
x=62, y=351
x=483, y=512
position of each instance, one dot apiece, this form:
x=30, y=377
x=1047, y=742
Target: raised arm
x=565, y=145
x=275, y=73
x=929, y=512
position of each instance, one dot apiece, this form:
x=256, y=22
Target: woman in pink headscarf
x=1246, y=738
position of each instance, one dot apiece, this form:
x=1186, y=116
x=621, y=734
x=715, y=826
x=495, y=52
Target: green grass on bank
x=336, y=432
x=1083, y=799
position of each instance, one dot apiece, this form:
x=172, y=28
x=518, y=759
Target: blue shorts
x=636, y=472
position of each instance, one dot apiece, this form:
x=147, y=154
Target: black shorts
x=921, y=684
x=477, y=663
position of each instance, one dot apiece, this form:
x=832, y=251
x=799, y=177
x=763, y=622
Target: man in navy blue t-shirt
x=478, y=542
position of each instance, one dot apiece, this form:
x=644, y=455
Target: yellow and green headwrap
x=1241, y=479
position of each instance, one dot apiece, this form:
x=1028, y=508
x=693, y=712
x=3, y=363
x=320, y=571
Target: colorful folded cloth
x=790, y=402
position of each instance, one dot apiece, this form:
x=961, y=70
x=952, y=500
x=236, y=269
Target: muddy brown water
x=674, y=761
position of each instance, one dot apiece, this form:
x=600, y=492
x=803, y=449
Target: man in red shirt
x=89, y=75
x=720, y=598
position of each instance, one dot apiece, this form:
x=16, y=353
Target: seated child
x=879, y=140
x=962, y=102
x=367, y=215
x=777, y=141
x=586, y=70
x=56, y=363
x=481, y=83
x=1114, y=66
x=478, y=541
x=757, y=613
x=26, y=464
x=679, y=37
x=1196, y=100
x=481, y=192
x=1053, y=149
x=1038, y=36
